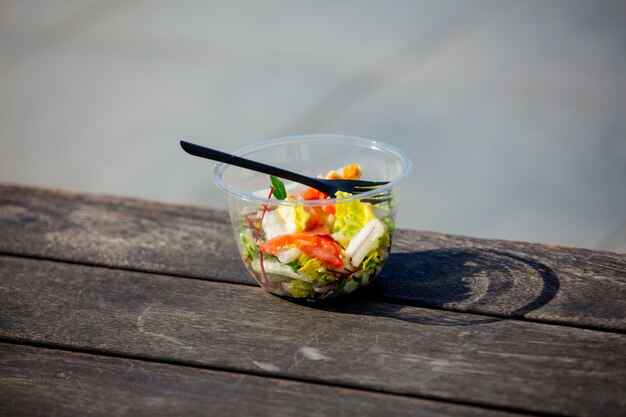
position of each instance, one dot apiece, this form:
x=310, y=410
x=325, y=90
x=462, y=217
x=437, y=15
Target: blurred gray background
x=513, y=112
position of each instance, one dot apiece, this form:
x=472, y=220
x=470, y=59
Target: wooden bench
x=112, y=306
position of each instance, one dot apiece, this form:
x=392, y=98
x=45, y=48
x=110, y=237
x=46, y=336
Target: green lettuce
x=350, y=218
x=372, y=261
x=299, y=289
x=390, y=224
x=294, y=217
x=249, y=247
x=314, y=270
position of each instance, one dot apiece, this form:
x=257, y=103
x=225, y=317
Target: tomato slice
x=320, y=230
x=311, y=194
x=322, y=248
x=329, y=209
x=314, y=246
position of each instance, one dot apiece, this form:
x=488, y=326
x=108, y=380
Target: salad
x=314, y=252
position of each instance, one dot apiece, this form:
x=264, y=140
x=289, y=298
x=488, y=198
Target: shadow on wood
x=487, y=281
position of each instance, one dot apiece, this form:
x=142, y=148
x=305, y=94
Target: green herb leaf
x=279, y=188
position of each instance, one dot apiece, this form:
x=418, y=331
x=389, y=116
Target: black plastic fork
x=329, y=187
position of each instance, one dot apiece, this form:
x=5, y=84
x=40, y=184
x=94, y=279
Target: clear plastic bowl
x=294, y=247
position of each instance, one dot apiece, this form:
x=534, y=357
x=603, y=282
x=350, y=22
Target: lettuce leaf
x=314, y=270
x=294, y=218
x=272, y=266
x=301, y=217
x=372, y=261
x=350, y=218
x=311, y=265
x=390, y=224
x=299, y=289
x=249, y=247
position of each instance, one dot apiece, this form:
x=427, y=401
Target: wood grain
x=414, y=351
x=502, y=278
x=45, y=382
x=507, y=279
x=119, y=232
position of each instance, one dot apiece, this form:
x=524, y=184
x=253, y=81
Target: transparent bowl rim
x=345, y=139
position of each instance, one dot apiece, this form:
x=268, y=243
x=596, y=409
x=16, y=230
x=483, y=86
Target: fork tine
x=378, y=199
x=375, y=199
x=365, y=187
x=370, y=183
x=331, y=187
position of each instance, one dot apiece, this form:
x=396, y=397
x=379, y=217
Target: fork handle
x=215, y=155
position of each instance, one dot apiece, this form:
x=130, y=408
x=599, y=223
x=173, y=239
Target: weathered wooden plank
x=399, y=349
x=35, y=381
x=510, y=279
x=119, y=232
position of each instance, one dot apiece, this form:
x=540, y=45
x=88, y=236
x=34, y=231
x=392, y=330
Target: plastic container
x=318, y=248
